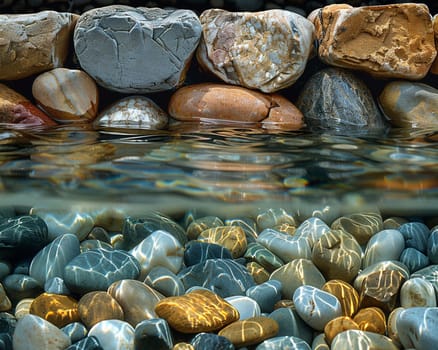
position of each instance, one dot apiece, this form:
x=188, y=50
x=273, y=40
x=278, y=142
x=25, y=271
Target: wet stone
x=5, y=303
x=409, y=104
x=360, y=340
x=158, y=249
x=361, y=226
x=286, y=247
x=151, y=36
x=336, y=99
x=201, y=224
x=5, y=269
x=196, y=252
x=98, y=306
x=338, y=325
x=67, y=95
x=231, y=237
x=135, y=230
x=138, y=112
x=197, y=311
x=76, y=331
x=291, y=324
x=90, y=244
x=88, y=343
x=211, y=341
x=384, y=245
x=274, y=217
x=265, y=294
x=18, y=287
x=97, y=269
x=381, y=289
x=7, y=328
x=316, y=307
x=164, y=281
x=224, y=277
x=263, y=256
x=52, y=259
x=113, y=334
x=33, y=332
x=432, y=246
x=137, y=300
x=416, y=235
x=237, y=47
x=393, y=222
x=414, y=259
x=298, y=272
x=430, y=274
x=56, y=285
x=417, y=292
x=23, y=234
x=245, y=306
x=313, y=229
x=153, y=334
x=320, y=343
x=346, y=294
x=23, y=308
x=285, y=342
x=99, y=233
x=337, y=255
x=59, y=310
x=250, y=331
x=183, y=346
x=418, y=327
x=257, y=272
x=371, y=319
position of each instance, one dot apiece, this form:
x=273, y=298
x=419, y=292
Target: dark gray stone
x=88, y=343
x=266, y=294
x=414, y=259
x=291, y=325
x=76, y=331
x=210, y=341
x=197, y=252
x=164, y=281
x=432, y=246
x=416, y=235
x=18, y=286
x=281, y=343
x=153, y=334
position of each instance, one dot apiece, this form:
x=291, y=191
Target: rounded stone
x=417, y=292
x=137, y=300
x=361, y=226
x=56, y=285
x=59, y=310
x=75, y=331
x=430, y=274
x=333, y=98
x=250, y=331
x=97, y=269
x=263, y=256
x=157, y=46
x=257, y=272
x=272, y=217
x=113, y=335
x=33, y=332
x=290, y=324
x=23, y=308
x=245, y=306
x=98, y=306
x=5, y=303
x=138, y=112
x=197, y=311
x=153, y=334
x=87, y=343
x=337, y=255
x=196, y=252
x=410, y=104
x=52, y=259
x=164, y=281
x=360, y=340
x=19, y=286
x=414, y=259
x=158, y=249
x=298, y=272
x=346, y=294
x=338, y=325
x=201, y=224
x=67, y=95
x=384, y=245
x=266, y=294
x=231, y=237
x=313, y=229
x=211, y=341
x=416, y=235
x=371, y=319
x=237, y=47
x=316, y=307
x=432, y=246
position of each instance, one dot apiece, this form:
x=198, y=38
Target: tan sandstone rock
x=33, y=43
x=390, y=41
x=434, y=68
x=265, y=50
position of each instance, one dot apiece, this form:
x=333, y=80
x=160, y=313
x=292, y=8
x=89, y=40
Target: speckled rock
x=59, y=310
x=408, y=104
x=371, y=319
x=384, y=245
x=316, y=307
x=137, y=112
x=197, y=311
x=35, y=42
x=231, y=237
x=360, y=340
x=153, y=334
x=113, y=335
x=67, y=95
x=346, y=294
x=98, y=306
x=417, y=292
x=335, y=98
x=137, y=300
x=250, y=331
x=238, y=47
x=33, y=332
x=392, y=41
x=144, y=49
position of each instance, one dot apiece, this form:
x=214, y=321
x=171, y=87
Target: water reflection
x=230, y=164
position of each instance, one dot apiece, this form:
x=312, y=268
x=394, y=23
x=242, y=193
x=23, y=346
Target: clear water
x=221, y=170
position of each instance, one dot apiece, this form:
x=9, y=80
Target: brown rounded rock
x=434, y=68
x=338, y=325
x=337, y=255
x=231, y=237
x=98, y=306
x=5, y=303
x=197, y=311
x=67, y=95
x=408, y=104
x=361, y=226
x=283, y=115
x=371, y=319
x=15, y=109
x=201, y=224
x=346, y=294
x=251, y=331
x=59, y=310
x=258, y=272
x=391, y=41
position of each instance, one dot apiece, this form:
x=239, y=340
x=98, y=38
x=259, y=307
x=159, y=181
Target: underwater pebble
x=246, y=306
x=113, y=335
x=384, y=245
x=417, y=292
x=196, y=252
x=153, y=334
x=266, y=294
x=211, y=341
x=291, y=324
